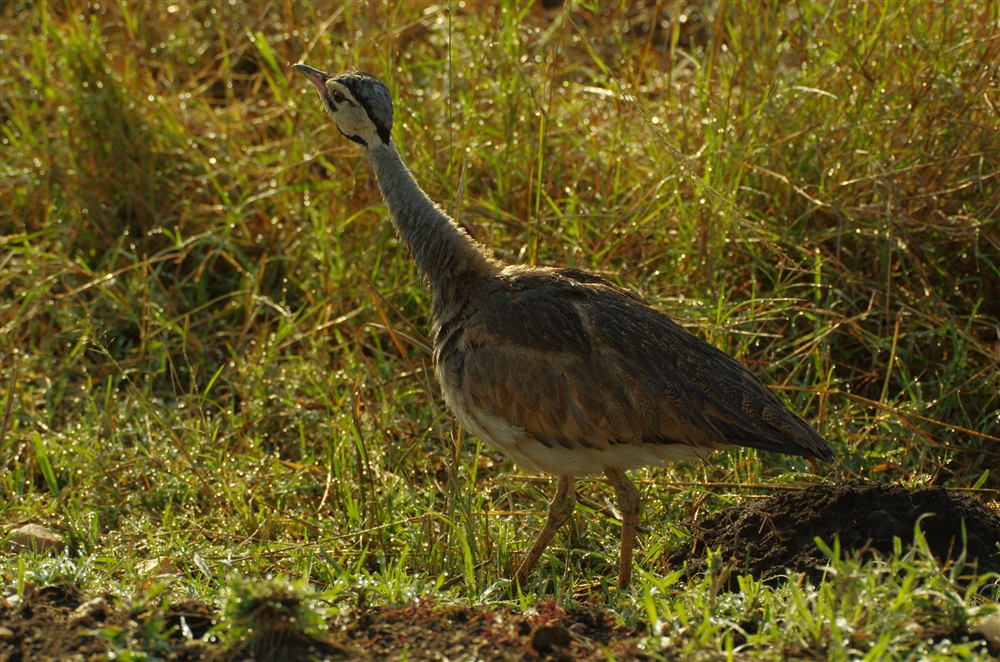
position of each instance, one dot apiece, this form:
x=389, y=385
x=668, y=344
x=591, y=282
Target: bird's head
x=359, y=103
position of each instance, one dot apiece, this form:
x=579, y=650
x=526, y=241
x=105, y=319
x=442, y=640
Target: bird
x=560, y=369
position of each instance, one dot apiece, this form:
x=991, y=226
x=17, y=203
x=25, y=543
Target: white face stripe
x=350, y=115
x=360, y=104
x=372, y=96
x=333, y=87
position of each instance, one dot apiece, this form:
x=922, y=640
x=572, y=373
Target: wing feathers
x=576, y=361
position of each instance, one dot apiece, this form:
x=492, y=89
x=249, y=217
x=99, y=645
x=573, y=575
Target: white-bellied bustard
x=560, y=369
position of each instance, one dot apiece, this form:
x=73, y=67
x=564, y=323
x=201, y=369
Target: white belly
x=531, y=454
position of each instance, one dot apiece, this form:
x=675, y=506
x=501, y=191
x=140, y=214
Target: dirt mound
x=42, y=628
x=772, y=535
x=545, y=632
x=767, y=536
x=58, y=622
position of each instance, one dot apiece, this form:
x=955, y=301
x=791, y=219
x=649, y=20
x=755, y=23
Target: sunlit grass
x=905, y=607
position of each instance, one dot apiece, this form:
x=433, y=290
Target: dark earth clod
x=766, y=536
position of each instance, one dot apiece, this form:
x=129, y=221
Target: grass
x=212, y=346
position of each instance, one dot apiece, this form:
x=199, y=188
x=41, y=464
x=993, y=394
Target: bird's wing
x=577, y=361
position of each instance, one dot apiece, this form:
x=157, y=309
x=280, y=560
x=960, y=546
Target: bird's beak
x=317, y=77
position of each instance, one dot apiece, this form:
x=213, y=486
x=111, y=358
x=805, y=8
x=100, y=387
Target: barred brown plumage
x=560, y=369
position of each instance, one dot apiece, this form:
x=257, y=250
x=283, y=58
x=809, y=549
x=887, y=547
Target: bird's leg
x=559, y=511
x=628, y=506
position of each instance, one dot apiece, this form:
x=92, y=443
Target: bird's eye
x=338, y=97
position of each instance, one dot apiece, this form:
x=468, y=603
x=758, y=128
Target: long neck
x=449, y=259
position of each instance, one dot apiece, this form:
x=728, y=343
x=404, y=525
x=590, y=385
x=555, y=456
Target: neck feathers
x=451, y=261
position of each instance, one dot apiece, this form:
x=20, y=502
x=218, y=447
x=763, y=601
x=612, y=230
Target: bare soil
x=767, y=536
